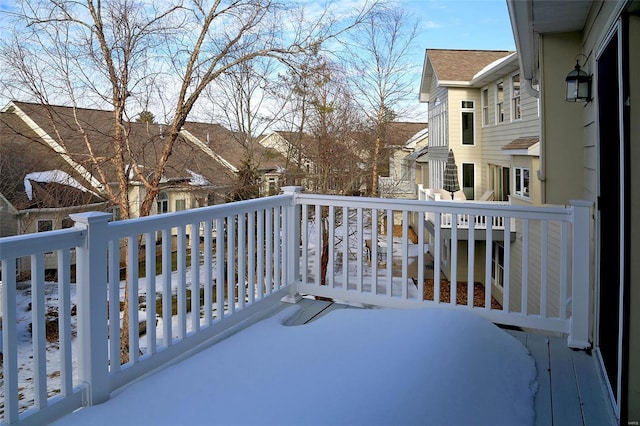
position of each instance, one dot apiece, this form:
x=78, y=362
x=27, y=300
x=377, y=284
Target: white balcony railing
x=242, y=258
x=462, y=220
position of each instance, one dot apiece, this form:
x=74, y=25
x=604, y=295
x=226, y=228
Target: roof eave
x=521, y=16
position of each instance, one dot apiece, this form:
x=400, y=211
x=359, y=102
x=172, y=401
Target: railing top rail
x=39, y=242
x=141, y=225
x=476, y=208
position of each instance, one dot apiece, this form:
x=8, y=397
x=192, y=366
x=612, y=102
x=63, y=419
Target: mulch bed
x=461, y=293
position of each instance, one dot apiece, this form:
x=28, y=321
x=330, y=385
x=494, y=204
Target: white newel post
x=292, y=241
x=91, y=281
x=580, y=275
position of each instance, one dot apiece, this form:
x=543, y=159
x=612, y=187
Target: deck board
x=590, y=390
x=564, y=396
x=538, y=346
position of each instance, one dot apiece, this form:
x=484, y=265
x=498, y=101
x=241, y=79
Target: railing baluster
x=360, y=242
x=506, y=281
x=305, y=244
x=208, y=269
x=525, y=267
x=318, y=262
x=405, y=254
x=277, y=267
x=132, y=294
x=544, y=250
x=182, y=283
x=389, y=253
x=242, y=255
x=374, y=251
x=251, y=253
x=471, y=260
x=420, y=222
x=150, y=296
x=9, y=337
x=38, y=331
x=167, y=304
x=437, y=259
x=332, y=239
x=564, y=268
x=114, y=305
x=220, y=265
x=194, y=240
x=269, y=244
x=487, y=264
x=261, y=251
x=453, y=262
x=345, y=248
x=231, y=263
x=64, y=322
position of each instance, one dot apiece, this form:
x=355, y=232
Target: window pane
x=525, y=182
x=467, y=104
x=180, y=205
x=468, y=180
x=467, y=128
x=518, y=182
x=45, y=225
x=500, y=102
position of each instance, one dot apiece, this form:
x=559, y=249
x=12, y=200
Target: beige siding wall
x=562, y=142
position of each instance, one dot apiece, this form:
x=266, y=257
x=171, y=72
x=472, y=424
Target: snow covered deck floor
x=570, y=390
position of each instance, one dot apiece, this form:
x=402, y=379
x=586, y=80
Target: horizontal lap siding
x=495, y=136
x=535, y=266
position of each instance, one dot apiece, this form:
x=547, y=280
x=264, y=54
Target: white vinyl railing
x=195, y=275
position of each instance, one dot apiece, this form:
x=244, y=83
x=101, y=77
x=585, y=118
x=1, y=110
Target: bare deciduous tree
x=128, y=55
x=380, y=70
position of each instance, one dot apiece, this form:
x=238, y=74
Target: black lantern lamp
x=578, y=84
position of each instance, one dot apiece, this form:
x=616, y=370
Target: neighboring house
x=401, y=180
x=197, y=174
x=38, y=190
x=478, y=110
x=232, y=149
x=314, y=164
x=587, y=152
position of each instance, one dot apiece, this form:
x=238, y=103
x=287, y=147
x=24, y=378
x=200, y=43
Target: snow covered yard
x=353, y=366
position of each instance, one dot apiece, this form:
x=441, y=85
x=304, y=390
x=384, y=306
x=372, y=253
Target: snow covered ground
x=369, y=367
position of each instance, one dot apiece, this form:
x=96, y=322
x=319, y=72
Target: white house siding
x=495, y=136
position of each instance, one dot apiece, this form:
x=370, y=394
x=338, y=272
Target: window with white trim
x=521, y=182
x=500, y=102
x=468, y=119
x=162, y=203
x=516, y=113
x=485, y=107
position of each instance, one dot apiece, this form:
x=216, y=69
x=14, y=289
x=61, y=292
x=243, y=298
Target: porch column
x=579, y=332
x=91, y=282
x=292, y=244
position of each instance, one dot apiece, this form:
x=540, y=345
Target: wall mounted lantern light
x=578, y=84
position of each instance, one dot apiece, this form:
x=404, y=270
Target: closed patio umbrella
x=450, y=182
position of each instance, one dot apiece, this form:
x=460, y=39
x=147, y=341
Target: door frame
x=618, y=395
